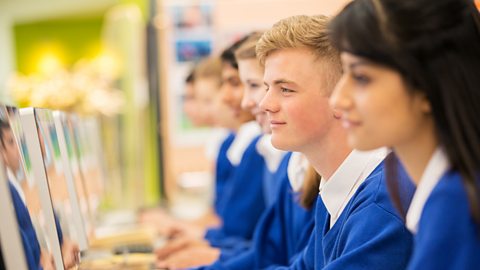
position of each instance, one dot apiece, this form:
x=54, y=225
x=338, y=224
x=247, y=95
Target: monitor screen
x=70, y=157
x=84, y=133
x=35, y=187
x=33, y=211
x=62, y=187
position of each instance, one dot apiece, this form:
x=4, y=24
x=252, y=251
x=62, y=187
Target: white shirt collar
x=337, y=191
x=272, y=155
x=215, y=139
x=436, y=167
x=246, y=133
x=296, y=170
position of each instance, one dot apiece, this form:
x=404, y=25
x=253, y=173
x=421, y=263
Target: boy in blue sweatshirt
x=243, y=195
x=360, y=228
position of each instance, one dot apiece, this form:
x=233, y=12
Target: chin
x=362, y=145
x=282, y=144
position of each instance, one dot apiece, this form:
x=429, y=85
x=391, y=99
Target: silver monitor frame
x=27, y=117
x=11, y=243
x=72, y=189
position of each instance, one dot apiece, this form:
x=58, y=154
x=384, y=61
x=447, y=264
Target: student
x=356, y=227
x=284, y=228
x=244, y=194
x=190, y=103
x=411, y=83
x=202, y=107
x=207, y=88
x=251, y=75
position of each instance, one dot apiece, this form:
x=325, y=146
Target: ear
x=425, y=104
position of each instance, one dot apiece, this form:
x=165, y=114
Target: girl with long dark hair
x=411, y=81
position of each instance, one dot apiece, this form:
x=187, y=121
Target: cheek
x=388, y=123
x=312, y=115
x=258, y=95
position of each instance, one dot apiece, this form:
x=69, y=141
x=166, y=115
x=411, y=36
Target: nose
x=268, y=102
x=247, y=101
x=341, y=97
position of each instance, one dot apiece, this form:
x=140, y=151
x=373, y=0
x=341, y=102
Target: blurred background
x=125, y=62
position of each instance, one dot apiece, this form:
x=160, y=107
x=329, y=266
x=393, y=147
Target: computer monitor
x=69, y=153
x=11, y=247
x=62, y=186
x=38, y=188
x=86, y=160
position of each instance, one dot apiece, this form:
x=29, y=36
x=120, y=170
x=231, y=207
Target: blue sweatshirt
x=223, y=171
x=447, y=236
x=243, y=203
x=369, y=234
x=281, y=234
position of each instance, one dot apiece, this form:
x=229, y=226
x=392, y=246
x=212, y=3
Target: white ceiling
x=27, y=10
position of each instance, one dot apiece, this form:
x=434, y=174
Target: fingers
x=191, y=257
x=171, y=247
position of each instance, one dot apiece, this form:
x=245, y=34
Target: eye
x=360, y=78
x=286, y=90
x=235, y=82
x=254, y=85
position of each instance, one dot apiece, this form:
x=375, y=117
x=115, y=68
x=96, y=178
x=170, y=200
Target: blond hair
x=247, y=49
x=302, y=31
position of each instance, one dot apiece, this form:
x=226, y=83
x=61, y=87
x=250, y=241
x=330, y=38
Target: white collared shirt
x=272, y=155
x=297, y=168
x=436, y=167
x=215, y=139
x=337, y=191
x=246, y=133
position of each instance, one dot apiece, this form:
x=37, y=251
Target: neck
x=329, y=152
x=416, y=153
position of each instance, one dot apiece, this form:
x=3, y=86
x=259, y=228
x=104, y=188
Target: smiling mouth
x=276, y=123
x=347, y=124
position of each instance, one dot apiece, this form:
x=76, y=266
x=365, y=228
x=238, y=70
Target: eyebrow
x=252, y=81
x=280, y=81
x=359, y=63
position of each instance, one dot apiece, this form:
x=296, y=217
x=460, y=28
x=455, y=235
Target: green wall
x=70, y=39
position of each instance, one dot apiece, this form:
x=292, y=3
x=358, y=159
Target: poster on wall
x=188, y=50
x=193, y=36
x=189, y=17
x=192, y=39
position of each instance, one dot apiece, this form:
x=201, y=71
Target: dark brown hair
x=309, y=191
x=435, y=46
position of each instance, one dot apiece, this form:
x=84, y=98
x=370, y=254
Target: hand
x=184, y=230
x=158, y=218
x=46, y=260
x=178, y=244
x=165, y=224
x=70, y=253
x=191, y=257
